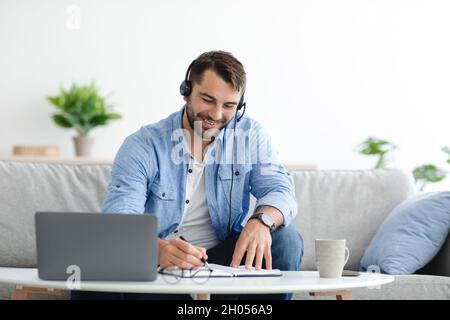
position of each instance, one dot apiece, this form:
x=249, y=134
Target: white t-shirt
x=196, y=226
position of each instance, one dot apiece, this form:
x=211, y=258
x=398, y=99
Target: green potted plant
x=377, y=147
x=428, y=173
x=82, y=108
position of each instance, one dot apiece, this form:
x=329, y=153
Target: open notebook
x=218, y=271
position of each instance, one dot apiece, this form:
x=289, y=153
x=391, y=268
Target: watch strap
x=258, y=215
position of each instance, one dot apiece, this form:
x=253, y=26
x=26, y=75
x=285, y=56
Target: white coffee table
x=290, y=281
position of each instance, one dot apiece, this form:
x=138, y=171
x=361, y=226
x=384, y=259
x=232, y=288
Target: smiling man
x=196, y=170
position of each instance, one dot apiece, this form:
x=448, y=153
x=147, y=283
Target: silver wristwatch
x=266, y=219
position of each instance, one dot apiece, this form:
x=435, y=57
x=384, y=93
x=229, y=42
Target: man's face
x=212, y=103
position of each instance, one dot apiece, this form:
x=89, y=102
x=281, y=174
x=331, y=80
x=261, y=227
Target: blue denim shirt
x=150, y=168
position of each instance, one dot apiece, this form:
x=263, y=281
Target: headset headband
x=186, y=88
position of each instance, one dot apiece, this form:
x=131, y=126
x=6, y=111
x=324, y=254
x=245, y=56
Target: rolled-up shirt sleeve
x=131, y=174
x=270, y=183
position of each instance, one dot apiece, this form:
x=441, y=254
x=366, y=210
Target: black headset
x=185, y=91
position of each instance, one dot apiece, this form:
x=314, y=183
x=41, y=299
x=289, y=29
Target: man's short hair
x=224, y=64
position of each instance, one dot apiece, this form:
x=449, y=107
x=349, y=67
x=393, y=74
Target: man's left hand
x=256, y=240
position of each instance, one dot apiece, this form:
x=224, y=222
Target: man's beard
x=197, y=125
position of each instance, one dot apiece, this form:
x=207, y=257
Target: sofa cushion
x=346, y=204
x=411, y=235
x=27, y=187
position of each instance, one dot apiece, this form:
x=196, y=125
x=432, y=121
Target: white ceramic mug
x=331, y=257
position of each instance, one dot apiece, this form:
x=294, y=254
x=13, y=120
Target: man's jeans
x=287, y=253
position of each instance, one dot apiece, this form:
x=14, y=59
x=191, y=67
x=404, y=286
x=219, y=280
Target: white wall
x=322, y=75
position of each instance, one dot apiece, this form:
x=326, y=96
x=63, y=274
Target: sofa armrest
x=440, y=264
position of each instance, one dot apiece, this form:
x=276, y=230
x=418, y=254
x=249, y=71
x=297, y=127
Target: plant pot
x=83, y=146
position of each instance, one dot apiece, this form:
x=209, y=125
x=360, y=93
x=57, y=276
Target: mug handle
x=347, y=255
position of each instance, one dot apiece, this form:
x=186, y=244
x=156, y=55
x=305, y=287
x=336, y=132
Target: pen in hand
x=202, y=259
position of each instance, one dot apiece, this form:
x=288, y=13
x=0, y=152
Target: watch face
x=267, y=220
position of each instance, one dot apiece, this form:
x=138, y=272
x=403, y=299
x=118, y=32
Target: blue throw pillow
x=411, y=235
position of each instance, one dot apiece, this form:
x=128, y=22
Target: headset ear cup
x=185, y=88
x=242, y=113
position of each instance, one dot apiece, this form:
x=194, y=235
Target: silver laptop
x=101, y=247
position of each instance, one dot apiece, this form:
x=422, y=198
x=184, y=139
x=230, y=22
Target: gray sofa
x=332, y=204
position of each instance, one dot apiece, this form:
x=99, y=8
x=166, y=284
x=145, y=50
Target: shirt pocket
x=240, y=187
x=239, y=171
x=162, y=192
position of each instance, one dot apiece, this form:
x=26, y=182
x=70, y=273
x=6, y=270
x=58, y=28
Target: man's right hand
x=177, y=252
